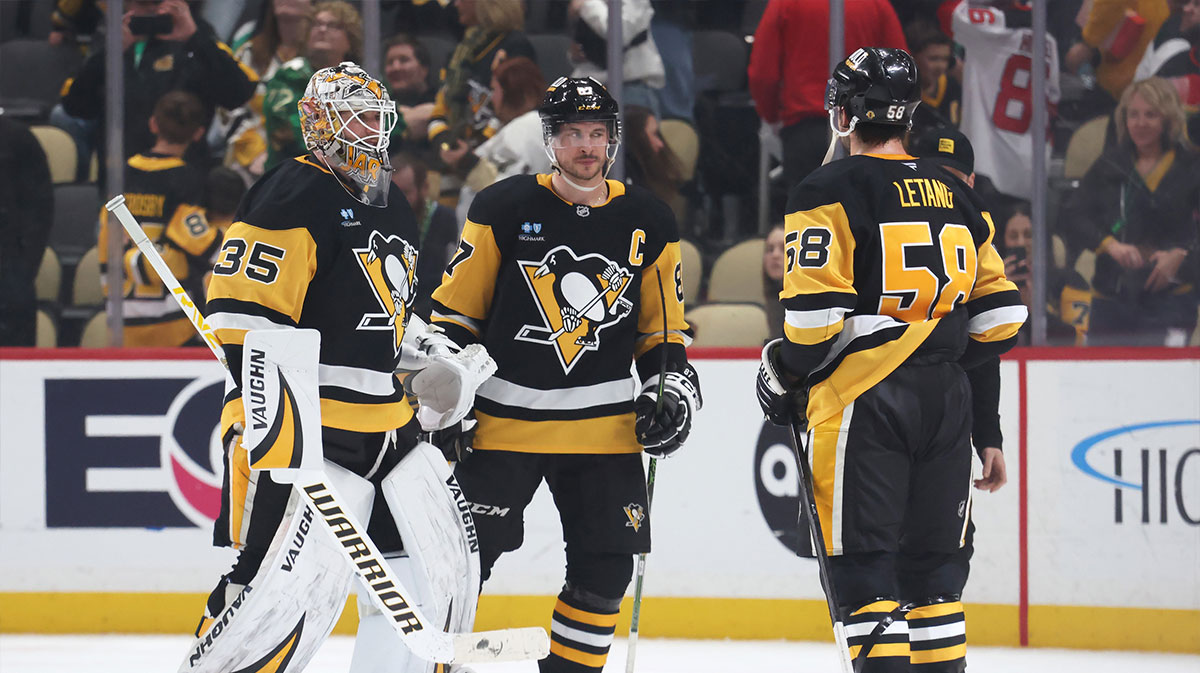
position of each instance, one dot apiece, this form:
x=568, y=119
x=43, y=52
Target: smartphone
x=1020, y=264
x=150, y=25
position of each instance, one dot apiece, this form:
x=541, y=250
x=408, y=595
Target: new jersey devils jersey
x=996, y=100
x=887, y=255
x=303, y=253
x=564, y=297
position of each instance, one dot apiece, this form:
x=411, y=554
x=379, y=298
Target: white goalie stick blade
x=422, y=637
x=280, y=620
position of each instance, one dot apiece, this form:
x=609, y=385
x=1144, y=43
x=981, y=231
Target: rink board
x=107, y=490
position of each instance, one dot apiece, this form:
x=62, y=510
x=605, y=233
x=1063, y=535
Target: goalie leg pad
x=293, y=601
x=441, y=566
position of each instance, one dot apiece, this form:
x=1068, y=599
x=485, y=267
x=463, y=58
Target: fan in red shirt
x=789, y=66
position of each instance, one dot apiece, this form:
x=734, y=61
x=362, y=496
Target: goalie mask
x=348, y=117
x=578, y=99
x=873, y=85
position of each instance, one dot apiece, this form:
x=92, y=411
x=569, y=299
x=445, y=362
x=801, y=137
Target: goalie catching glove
x=783, y=398
x=662, y=431
x=446, y=378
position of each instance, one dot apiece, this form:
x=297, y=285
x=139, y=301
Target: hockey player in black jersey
x=317, y=244
x=567, y=278
x=892, y=288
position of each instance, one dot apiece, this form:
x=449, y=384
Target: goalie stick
x=808, y=509
x=424, y=639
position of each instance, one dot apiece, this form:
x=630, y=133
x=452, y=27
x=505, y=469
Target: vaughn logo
x=1153, y=469
x=293, y=552
x=256, y=388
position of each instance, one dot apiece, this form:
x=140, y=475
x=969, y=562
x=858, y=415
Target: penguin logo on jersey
x=636, y=515
x=390, y=265
x=577, y=297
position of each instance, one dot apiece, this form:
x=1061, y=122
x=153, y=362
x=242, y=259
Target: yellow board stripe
x=935, y=610
x=582, y=616
x=941, y=654
x=582, y=658
x=993, y=625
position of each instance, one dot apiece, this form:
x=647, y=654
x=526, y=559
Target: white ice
x=159, y=654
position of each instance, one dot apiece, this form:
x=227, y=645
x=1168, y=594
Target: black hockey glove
x=455, y=440
x=662, y=433
x=783, y=398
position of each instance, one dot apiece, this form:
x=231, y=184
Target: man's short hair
x=420, y=51
x=178, y=115
x=922, y=33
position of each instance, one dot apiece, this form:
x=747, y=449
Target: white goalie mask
x=337, y=121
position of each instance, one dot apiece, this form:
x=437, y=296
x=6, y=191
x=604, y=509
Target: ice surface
x=162, y=654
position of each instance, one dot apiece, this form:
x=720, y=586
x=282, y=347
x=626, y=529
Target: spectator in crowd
x=278, y=36
x=518, y=147
x=941, y=95
x=186, y=58
x=1121, y=30
x=949, y=147
x=997, y=108
x=649, y=161
x=1136, y=207
x=436, y=226
x=774, y=265
x=672, y=28
x=165, y=194
x=643, y=73
x=463, y=116
x=1169, y=41
x=1068, y=303
x=336, y=35
x=73, y=19
x=1183, y=68
x=223, y=191
x=26, y=211
x=406, y=69
x=788, y=87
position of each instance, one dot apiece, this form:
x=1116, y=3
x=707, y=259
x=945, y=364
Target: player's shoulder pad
x=826, y=185
x=494, y=204
x=289, y=196
x=655, y=212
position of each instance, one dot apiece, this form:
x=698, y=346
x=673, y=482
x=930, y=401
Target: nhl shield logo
x=583, y=211
x=390, y=265
x=578, y=297
x=636, y=515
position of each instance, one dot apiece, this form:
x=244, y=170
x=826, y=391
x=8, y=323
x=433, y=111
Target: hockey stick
x=420, y=636
x=808, y=508
x=636, y=616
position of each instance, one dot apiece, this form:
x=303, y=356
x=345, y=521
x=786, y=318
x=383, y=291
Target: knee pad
x=596, y=578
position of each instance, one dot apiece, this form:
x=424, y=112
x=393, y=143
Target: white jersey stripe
x=819, y=318
x=511, y=394
x=1003, y=315
x=243, y=321
x=366, y=381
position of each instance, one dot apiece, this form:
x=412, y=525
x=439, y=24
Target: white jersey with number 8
x=997, y=81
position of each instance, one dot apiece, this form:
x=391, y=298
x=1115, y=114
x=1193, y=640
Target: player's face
x=365, y=124
x=1144, y=123
x=933, y=61
x=403, y=70
x=773, y=259
x=580, y=149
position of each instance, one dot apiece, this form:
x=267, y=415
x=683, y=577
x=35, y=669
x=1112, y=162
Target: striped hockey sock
x=579, y=638
x=888, y=650
x=938, y=636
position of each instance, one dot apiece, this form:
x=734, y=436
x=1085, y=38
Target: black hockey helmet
x=875, y=85
x=579, y=99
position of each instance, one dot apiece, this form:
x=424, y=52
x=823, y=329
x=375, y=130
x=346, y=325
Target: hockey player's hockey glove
x=455, y=441
x=662, y=431
x=782, y=397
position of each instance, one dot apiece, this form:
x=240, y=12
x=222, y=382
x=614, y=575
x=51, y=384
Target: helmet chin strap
x=580, y=187
x=836, y=126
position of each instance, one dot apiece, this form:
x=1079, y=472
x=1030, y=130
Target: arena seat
x=60, y=152
x=728, y=325
x=737, y=274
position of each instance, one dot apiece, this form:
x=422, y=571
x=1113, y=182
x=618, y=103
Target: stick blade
x=521, y=644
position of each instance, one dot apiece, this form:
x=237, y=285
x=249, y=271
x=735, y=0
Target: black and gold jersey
x=303, y=253
x=565, y=297
x=888, y=255
x=164, y=194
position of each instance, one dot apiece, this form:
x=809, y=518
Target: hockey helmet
x=334, y=99
x=875, y=85
x=579, y=99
